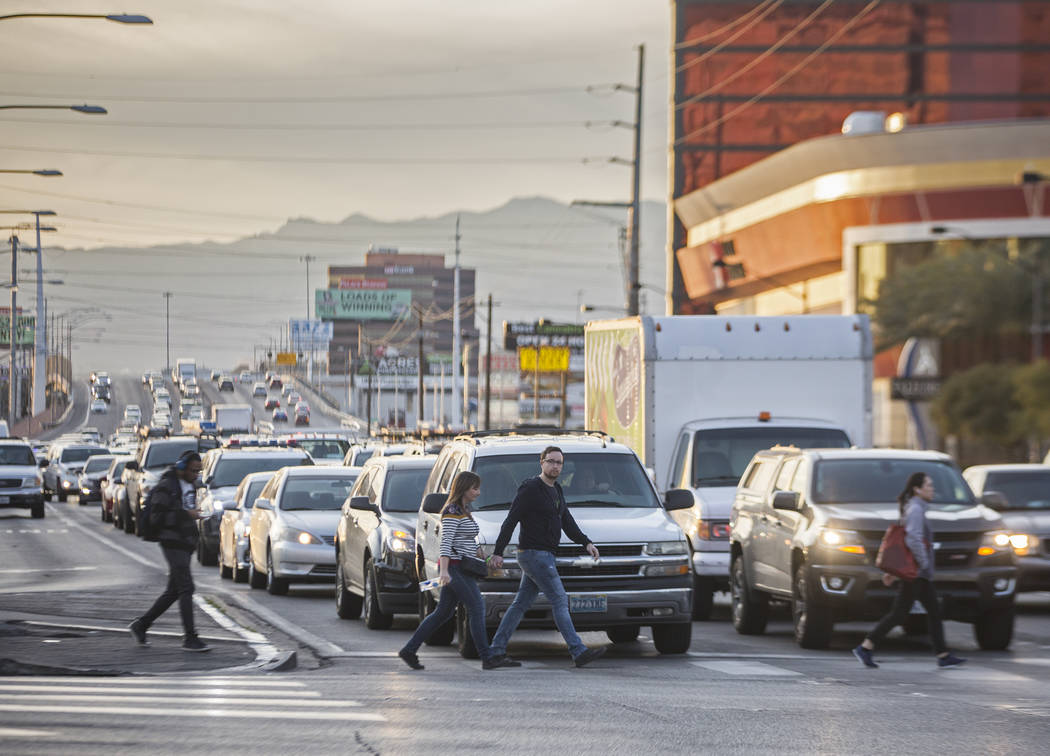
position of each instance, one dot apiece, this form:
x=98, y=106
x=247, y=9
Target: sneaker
x=501, y=660
x=588, y=656
x=138, y=633
x=193, y=643
x=951, y=660
x=410, y=659
x=865, y=657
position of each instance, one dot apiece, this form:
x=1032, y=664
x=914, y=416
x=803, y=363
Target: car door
x=430, y=524
x=750, y=505
x=259, y=527
x=353, y=547
x=782, y=526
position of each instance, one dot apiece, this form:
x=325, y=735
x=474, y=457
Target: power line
x=731, y=25
x=255, y=126
x=729, y=40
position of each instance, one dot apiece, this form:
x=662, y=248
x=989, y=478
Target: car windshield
x=316, y=492
x=363, y=456
x=720, y=456
x=876, y=480
x=254, y=489
x=98, y=463
x=588, y=480
x=1023, y=490
x=403, y=489
x=81, y=453
x=162, y=455
x=117, y=468
x=231, y=471
x=17, y=455
x=325, y=448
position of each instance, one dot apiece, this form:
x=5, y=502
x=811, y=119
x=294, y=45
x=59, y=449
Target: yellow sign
x=552, y=359
x=286, y=358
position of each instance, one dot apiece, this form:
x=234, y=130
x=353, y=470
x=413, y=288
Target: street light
x=120, y=18
x=89, y=109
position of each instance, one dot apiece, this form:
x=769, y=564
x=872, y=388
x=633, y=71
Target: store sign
x=543, y=333
x=25, y=328
x=362, y=283
x=362, y=304
x=551, y=359
x=310, y=334
x=920, y=389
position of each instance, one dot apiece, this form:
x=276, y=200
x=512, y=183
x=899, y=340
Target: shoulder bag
x=477, y=568
x=894, y=555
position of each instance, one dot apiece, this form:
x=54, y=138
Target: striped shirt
x=459, y=532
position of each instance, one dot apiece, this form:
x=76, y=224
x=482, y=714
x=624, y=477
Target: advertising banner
x=25, y=329
x=614, y=385
x=286, y=358
x=552, y=359
x=310, y=334
x=543, y=333
x=362, y=304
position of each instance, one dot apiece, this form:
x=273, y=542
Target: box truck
x=696, y=396
x=228, y=419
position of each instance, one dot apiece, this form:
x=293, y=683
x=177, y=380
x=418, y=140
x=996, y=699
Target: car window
x=403, y=489
x=678, y=463
x=254, y=492
x=787, y=472
x=162, y=455
x=721, y=455
x=324, y=448
x=80, y=454
x=98, y=463
x=230, y=471
x=361, y=484
x=116, y=468
x=374, y=483
x=1022, y=489
x=315, y=492
x=16, y=455
x=446, y=475
x=871, y=480
x=760, y=475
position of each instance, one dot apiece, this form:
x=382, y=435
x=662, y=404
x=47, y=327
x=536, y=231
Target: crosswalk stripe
x=753, y=668
x=141, y=682
x=197, y=713
x=962, y=674
x=163, y=692
x=197, y=699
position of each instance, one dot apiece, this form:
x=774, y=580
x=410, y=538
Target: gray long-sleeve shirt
x=919, y=537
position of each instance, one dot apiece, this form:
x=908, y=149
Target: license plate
x=5, y=499
x=582, y=604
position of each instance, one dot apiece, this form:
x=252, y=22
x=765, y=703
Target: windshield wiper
x=595, y=503
x=719, y=479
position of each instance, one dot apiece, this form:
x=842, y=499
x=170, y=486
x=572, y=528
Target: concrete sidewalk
x=58, y=633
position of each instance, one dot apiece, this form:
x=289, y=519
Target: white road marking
x=965, y=673
x=48, y=569
x=198, y=681
x=17, y=732
x=141, y=711
x=757, y=669
x=198, y=699
x=209, y=690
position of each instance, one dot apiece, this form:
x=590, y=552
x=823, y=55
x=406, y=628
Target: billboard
x=615, y=384
x=286, y=358
x=25, y=328
x=362, y=304
x=542, y=333
x=310, y=334
x=552, y=359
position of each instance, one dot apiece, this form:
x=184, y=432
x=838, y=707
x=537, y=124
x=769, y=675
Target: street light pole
x=167, y=330
x=12, y=380
x=456, y=419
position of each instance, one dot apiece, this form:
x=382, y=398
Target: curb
x=15, y=668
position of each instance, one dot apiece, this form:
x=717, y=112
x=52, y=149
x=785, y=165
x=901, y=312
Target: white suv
x=643, y=576
x=21, y=484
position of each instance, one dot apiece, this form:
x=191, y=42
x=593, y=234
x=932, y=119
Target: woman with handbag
x=460, y=566
x=913, y=501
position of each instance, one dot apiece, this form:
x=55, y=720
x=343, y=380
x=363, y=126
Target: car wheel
x=623, y=634
x=375, y=617
x=240, y=574
x=673, y=638
x=995, y=629
x=750, y=608
x=347, y=604
x=62, y=495
x=443, y=635
x=128, y=519
x=224, y=572
x=464, y=640
x=103, y=509
x=703, y=597
x=37, y=510
x=813, y=622
x=205, y=556
x=275, y=586
x=256, y=579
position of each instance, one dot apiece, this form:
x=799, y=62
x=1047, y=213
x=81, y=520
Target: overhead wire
x=723, y=29
x=729, y=40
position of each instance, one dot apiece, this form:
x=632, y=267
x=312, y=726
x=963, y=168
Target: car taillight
x=713, y=531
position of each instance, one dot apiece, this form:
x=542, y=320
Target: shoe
x=865, y=657
x=193, y=643
x=410, y=659
x=951, y=660
x=138, y=633
x=502, y=660
x=589, y=655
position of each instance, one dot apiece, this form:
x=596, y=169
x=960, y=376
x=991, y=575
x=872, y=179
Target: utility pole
x=12, y=374
x=40, y=337
x=488, y=371
x=167, y=329
x=419, y=369
x=456, y=419
x=310, y=347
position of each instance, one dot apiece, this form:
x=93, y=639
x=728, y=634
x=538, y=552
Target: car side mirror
x=678, y=498
x=264, y=504
x=133, y=466
x=995, y=500
x=786, y=500
x=362, y=504
x=434, y=503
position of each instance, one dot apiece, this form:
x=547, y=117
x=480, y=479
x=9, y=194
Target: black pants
x=922, y=590
x=180, y=588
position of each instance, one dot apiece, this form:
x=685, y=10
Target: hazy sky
x=227, y=117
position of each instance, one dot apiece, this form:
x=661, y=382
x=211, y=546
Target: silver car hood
x=318, y=522
x=600, y=524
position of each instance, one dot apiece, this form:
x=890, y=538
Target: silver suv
x=643, y=576
x=21, y=484
x=65, y=463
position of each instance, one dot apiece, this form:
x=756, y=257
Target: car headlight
x=1022, y=542
x=400, y=541
x=660, y=548
x=34, y=481
x=66, y=484
x=847, y=541
x=299, y=536
x=994, y=541
x=662, y=570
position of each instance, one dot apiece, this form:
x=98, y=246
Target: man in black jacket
x=173, y=504
x=540, y=509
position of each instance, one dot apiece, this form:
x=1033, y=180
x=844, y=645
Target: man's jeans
x=460, y=588
x=538, y=573
x=180, y=588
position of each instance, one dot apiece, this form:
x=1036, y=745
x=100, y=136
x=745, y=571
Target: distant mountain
x=537, y=257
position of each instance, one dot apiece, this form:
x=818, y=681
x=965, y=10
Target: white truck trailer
x=229, y=419
x=696, y=396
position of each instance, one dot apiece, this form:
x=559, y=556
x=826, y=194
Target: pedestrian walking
x=459, y=532
x=173, y=504
x=540, y=509
x=913, y=501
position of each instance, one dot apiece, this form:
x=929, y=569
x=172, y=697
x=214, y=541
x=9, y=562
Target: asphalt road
x=730, y=693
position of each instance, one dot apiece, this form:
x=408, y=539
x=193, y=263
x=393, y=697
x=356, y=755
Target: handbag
x=477, y=568
x=894, y=556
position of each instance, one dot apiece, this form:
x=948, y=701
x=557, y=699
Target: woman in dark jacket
x=913, y=501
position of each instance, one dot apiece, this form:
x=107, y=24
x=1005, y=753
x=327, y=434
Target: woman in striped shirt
x=459, y=534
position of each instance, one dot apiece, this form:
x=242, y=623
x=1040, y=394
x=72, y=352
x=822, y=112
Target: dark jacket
x=178, y=528
x=543, y=515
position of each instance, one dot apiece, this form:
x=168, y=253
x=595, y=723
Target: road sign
x=552, y=359
x=310, y=334
x=286, y=358
x=918, y=389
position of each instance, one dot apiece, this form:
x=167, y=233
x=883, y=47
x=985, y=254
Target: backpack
x=150, y=520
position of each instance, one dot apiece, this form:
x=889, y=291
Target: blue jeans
x=538, y=573
x=461, y=588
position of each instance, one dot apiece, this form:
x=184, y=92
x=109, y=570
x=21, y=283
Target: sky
x=228, y=118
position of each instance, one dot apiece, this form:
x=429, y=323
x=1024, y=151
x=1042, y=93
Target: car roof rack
x=536, y=430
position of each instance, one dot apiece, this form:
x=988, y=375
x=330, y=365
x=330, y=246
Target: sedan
x=272, y=403
x=216, y=374
x=109, y=484
x=279, y=416
x=275, y=383
x=89, y=482
x=225, y=383
x=292, y=528
x=294, y=398
x=258, y=389
x=302, y=417
x=99, y=406
x=233, y=528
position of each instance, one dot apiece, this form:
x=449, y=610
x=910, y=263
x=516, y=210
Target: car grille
x=10, y=482
x=606, y=549
x=602, y=570
x=957, y=549
x=952, y=557
x=323, y=569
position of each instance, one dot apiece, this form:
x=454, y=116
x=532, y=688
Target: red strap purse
x=894, y=555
